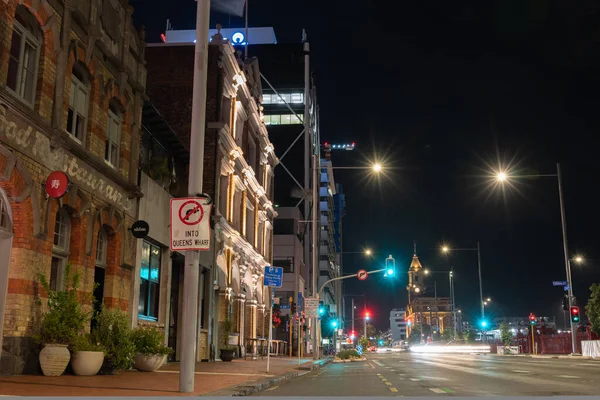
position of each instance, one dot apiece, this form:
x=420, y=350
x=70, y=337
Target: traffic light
x=575, y=314
x=565, y=302
x=367, y=316
x=532, y=319
x=352, y=335
x=334, y=323
x=293, y=308
x=483, y=323
x=321, y=308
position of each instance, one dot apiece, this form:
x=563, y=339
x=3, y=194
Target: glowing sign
x=238, y=38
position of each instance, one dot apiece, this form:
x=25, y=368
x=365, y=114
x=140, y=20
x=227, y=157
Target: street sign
x=190, y=224
x=273, y=276
x=349, y=341
x=140, y=229
x=567, y=288
x=559, y=283
x=359, y=349
x=300, y=303
x=340, y=332
x=57, y=184
x=362, y=275
x=311, y=307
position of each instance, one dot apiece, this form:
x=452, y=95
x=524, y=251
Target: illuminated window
x=267, y=99
x=275, y=120
x=24, y=56
x=149, y=282
x=78, y=106
x=297, y=98
x=284, y=119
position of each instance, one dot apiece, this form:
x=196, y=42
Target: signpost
x=311, y=307
x=273, y=278
x=362, y=275
x=190, y=224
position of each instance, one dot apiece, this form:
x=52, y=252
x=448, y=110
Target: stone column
x=262, y=327
x=239, y=317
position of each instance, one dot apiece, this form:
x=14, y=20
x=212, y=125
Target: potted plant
x=63, y=320
x=227, y=351
x=113, y=333
x=88, y=356
x=151, y=353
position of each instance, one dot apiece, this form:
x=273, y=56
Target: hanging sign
x=57, y=184
x=140, y=229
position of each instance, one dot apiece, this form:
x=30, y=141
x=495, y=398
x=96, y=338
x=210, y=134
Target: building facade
x=238, y=176
x=72, y=83
x=398, y=324
x=329, y=267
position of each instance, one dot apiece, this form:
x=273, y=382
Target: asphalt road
x=405, y=374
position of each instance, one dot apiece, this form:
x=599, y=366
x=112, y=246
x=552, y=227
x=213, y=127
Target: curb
x=256, y=386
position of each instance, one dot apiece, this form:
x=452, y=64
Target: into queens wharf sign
x=27, y=140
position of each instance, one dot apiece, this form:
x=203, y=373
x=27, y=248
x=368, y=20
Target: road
x=406, y=374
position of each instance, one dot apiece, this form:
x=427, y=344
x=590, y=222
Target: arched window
x=5, y=217
x=113, y=136
x=101, y=248
x=60, y=249
x=78, y=105
x=24, y=56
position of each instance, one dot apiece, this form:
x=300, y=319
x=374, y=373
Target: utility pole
x=192, y=258
x=352, y=315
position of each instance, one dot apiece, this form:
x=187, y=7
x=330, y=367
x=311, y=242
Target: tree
x=447, y=335
x=506, y=335
x=364, y=342
x=592, y=309
x=371, y=331
x=470, y=336
x=415, y=334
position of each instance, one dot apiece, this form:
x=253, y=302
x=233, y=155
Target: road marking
x=393, y=389
x=389, y=383
x=434, y=378
x=436, y=390
x=273, y=388
x=521, y=371
x=567, y=376
x=415, y=379
x=402, y=374
x=383, y=380
x=378, y=374
x=392, y=370
x=379, y=363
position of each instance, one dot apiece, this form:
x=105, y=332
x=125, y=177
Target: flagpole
x=246, y=34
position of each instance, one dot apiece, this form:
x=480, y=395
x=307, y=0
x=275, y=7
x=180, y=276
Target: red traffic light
x=531, y=317
x=574, y=310
x=367, y=314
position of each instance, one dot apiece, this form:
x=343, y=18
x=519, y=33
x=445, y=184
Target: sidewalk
x=215, y=378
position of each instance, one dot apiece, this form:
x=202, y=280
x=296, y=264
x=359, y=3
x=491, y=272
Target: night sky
x=443, y=92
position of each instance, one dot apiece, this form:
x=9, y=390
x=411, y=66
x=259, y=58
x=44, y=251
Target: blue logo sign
x=273, y=276
x=300, y=302
x=238, y=38
x=567, y=288
x=559, y=283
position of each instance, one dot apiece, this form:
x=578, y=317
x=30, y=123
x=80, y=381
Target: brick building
x=238, y=175
x=72, y=83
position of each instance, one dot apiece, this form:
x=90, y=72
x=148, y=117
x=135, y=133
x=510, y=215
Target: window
x=5, y=224
x=113, y=138
x=60, y=249
x=250, y=214
x=150, y=281
x=274, y=98
x=284, y=226
x=78, y=106
x=251, y=153
x=286, y=264
x=101, y=248
x=283, y=119
x=298, y=98
x=24, y=56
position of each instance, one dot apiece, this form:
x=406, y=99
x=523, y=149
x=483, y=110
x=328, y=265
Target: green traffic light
x=390, y=271
x=334, y=323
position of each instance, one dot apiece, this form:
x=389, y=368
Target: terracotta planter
x=54, y=359
x=148, y=363
x=227, y=355
x=87, y=363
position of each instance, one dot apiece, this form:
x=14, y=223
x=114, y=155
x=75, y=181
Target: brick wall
x=33, y=215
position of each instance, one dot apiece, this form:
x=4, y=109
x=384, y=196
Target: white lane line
x=216, y=373
x=379, y=363
x=521, y=371
x=392, y=370
x=434, y=378
x=567, y=376
x=436, y=390
x=414, y=379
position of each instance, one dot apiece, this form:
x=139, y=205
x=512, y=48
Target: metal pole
x=246, y=33
x=270, y=330
x=480, y=284
x=437, y=321
x=566, y=250
x=365, y=322
x=192, y=258
x=299, y=340
x=352, y=315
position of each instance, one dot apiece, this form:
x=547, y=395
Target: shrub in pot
x=227, y=351
x=151, y=353
x=113, y=333
x=88, y=356
x=62, y=321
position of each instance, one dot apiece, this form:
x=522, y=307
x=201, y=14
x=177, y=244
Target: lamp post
x=502, y=176
x=447, y=249
x=451, y=281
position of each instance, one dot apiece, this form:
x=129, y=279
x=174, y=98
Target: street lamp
x=502, y=176
x=451, y=280
x=377, y=167
x=446, y=249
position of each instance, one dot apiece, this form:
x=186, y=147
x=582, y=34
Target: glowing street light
x=501, y=176
x=368, y=252
x=578, y=259
x=377, y=167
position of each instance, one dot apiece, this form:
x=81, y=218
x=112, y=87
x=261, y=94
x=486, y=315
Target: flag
x=233, y=7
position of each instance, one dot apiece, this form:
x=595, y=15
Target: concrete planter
x=148, y=363
x=87, y=363
x=54, y=359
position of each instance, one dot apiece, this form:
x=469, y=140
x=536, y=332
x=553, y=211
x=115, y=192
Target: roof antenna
x=415, y=247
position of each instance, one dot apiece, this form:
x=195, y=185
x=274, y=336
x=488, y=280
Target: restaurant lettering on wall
x=36, y=145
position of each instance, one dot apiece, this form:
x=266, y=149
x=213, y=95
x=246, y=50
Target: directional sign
x=311, y=307
x=559, y=283
x=567, y=288
x=273, y=276
x=359, y=349
x=190, y=224
x=362, y=275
